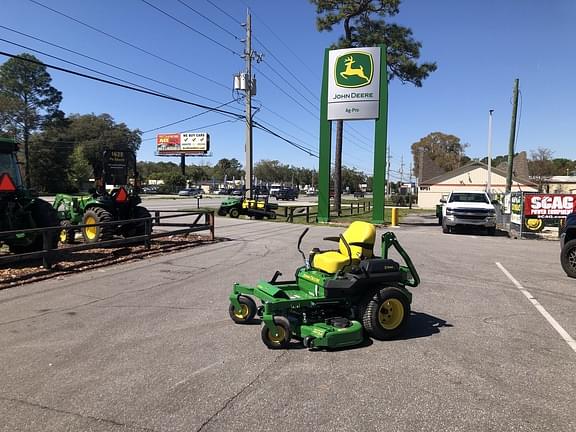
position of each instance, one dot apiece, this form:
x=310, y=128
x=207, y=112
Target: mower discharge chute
x=337, y=295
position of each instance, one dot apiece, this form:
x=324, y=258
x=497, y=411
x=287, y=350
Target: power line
x=128, y=43
x=198, y=128
x=287, y=94
x=72, y=63
x=292, y=143
x=191, y=28
x=185, y=119
x=140, y=90
x=107, y=63
x=225, y=13
x=208, y=19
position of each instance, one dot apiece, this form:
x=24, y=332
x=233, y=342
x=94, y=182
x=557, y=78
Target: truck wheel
x=246, y=312
x=234, y=213
x=44, y=215
x=138, y=228
x=568, y=258
x=445, y=228
x=95, y=234
x=280, y=340
x=67, y=234
x=386, y=314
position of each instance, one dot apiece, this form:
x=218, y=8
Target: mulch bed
x=15, y=274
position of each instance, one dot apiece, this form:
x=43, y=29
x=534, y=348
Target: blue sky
x=480, y=48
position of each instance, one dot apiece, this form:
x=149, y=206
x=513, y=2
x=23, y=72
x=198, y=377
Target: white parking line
x=563, y=333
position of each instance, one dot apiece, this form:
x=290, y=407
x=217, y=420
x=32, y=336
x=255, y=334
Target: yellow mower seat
x=360, y=237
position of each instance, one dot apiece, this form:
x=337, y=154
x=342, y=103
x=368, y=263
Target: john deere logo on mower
x=354, y=69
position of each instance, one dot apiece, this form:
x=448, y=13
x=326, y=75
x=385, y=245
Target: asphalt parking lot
x=149, y=346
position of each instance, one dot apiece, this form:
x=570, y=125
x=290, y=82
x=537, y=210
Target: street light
x=489, y=182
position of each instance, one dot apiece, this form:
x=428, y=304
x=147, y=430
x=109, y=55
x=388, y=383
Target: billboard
x=546, y=211
x=176, y=144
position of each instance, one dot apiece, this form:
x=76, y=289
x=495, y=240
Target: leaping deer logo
x=351, y=71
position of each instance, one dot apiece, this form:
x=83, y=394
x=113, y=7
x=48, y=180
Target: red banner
x=549, y=205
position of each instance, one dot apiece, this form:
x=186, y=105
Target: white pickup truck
x=468, y=208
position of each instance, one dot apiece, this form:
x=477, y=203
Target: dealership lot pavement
x=148, y=346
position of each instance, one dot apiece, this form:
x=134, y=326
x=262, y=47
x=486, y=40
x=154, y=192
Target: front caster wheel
x=246, y=312
x=280, y=339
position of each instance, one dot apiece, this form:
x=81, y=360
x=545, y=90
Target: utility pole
x=388, y=174
x=401, y=174
x=489, y=182
x=512, y=137
x=410, y=188
x=248, y=92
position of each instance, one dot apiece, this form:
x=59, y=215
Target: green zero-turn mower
x=337, y=297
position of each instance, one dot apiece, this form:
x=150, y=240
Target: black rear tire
x=445, y=228
x=97, y=233
x=222, y=212
x=568, y=258
x=44, y=215
x=137, y=228
x=386, y=314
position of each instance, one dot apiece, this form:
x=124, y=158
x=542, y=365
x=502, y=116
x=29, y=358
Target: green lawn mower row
x=338, y=296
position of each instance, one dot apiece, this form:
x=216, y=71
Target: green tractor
x=258, y=207
x=337, y=296
x=20, y=208
x=113, y=199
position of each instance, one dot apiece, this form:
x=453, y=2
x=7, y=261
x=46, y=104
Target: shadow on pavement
x=423, y=325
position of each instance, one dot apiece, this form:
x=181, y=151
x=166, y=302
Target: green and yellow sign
x=354, y=69
x=354, y=84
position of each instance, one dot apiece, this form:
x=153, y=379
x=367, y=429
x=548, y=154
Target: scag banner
x=548, y=205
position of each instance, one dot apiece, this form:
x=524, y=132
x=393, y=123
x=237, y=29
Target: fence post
x=157, y=217
x=209, y=218
x=307, y=214
x=148, y=231
x=291, y=216
x=46, y=261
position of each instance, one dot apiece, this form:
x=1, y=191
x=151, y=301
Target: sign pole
x=325, y=149
x=380, y=144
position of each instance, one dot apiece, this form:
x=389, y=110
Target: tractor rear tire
x=386, y=314
x=247, y=310
x=568, y=258
x=94, y=234
x=137, y=228
x=67, y=234
x=44, y=215
x=234, y=213
x=281, y=340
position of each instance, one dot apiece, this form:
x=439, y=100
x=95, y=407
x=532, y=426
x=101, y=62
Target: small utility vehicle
x=337, y=297
x=258, y=207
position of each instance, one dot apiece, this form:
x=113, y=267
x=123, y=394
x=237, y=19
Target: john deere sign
x=354, y=84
